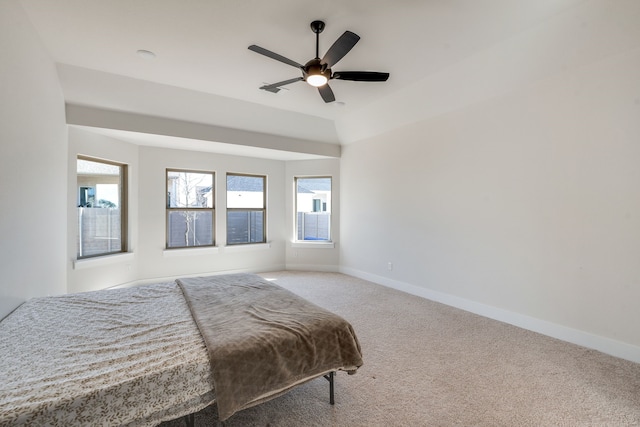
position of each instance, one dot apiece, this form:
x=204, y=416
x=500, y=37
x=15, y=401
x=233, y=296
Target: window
x=102, y=206
x=190, y=208
x=313, y=208
x=246, y=209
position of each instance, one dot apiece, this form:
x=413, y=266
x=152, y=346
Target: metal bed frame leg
x=190, y=419
x=329, y=377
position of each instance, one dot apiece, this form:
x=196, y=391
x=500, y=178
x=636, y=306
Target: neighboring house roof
x=87, y=167
x=244, y=183
x=313, y=185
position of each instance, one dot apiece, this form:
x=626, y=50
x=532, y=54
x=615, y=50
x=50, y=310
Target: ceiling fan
x=317, y=72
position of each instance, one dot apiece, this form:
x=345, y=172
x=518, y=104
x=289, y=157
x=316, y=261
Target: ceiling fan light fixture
x=317, y=80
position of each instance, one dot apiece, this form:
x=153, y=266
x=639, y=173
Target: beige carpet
x=427, y=364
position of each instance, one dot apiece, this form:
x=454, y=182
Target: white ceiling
x=204, y=73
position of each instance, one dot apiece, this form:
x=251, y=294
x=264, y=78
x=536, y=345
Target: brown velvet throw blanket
x=262, y=339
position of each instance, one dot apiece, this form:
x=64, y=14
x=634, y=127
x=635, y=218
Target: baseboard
x=278, y=267
x=313, y=267
x=574, y=336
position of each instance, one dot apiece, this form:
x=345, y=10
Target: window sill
x=209, y=250
x=80, y=264
x=247, y=247
x=313, y=244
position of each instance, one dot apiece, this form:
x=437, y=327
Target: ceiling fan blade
x=340, y=48
x=275, y=87
x=326, y=93
x=361, y=76
x=272, y=55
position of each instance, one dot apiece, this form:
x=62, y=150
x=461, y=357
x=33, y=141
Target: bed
x=142, y=355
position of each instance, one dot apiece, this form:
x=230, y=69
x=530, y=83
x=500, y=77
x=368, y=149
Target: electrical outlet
x=390, y=266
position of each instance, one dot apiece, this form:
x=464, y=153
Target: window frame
x=169, y=209
x=295, y=210
x=263, y=209
x=124, y=206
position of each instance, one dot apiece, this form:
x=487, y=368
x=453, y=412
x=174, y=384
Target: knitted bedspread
x=125, y=357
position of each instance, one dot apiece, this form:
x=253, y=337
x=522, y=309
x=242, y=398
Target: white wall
x=524, y=207
x=313, y=256
x=33, y=159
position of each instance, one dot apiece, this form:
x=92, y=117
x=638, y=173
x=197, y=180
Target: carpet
x=428, y=364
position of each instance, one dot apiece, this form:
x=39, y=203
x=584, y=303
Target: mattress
x=129, y=356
